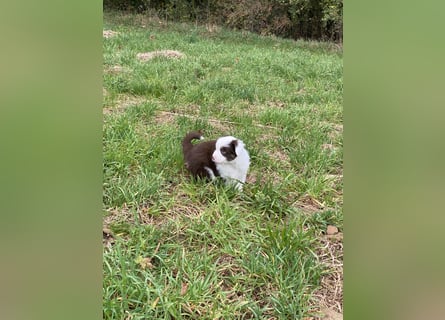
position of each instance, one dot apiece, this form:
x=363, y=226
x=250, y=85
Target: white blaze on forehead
x=220, y=143
x=224, y=141
x=217, y=157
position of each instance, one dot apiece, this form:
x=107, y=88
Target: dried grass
x=328, y=299
x=216, y=121
x=121, y=103
x=109, y=33
x=146, y=56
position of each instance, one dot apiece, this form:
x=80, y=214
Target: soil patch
x=165, y=117
x=328, y=299
x=116, y=69
x=146, y=56
x=121, y=103
x=109, y=33
x=309, y=205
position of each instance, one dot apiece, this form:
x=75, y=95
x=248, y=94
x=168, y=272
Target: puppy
x=225, y=157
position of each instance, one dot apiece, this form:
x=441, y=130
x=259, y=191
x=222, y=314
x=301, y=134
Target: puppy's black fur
x=199, y=156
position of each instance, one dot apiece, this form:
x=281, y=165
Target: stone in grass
x=331, y=230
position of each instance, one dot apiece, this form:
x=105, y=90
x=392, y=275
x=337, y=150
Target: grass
x=186, y=249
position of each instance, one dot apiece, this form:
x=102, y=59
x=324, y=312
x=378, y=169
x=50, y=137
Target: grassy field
x=181, y=249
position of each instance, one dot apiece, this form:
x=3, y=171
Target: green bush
x=127, y=5
x=307, y=19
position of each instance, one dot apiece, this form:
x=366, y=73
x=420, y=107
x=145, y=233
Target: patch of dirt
x=146, y=56
x=335, y=177
x=335, y=181
x=184, y=209
x=309, y=205
x=222, y=126
x=328, y=299
x=117, y=215
x=330, y=314
x=165, y=117
x=116, y=69
x=328, y=147
x=251, y=179
x=169, y=117
x=276, y=104
x=193, y=109
x=263, y=177
x=109, y=33
x=336, y=130
x=254, y=110
x=127, y=215
x=107, y=237
x=225, y=259
x=121, y=103
x=227, y=267
x=280, y=156
x=179, y=210
x=267, y=143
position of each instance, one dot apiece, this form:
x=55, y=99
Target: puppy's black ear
x=233, y=145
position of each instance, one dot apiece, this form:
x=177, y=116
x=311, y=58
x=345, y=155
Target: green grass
x=214, y=253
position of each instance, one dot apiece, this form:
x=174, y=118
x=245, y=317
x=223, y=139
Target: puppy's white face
x=225, y=150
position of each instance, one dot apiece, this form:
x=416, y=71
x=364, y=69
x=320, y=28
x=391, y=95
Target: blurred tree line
x=307, y=19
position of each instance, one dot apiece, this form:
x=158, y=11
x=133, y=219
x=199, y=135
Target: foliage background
x=296, y=19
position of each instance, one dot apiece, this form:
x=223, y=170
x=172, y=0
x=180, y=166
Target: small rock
x=331, y=230
x=184, y=288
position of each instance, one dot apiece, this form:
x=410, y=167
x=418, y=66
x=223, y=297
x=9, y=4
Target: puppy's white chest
x=228, y=171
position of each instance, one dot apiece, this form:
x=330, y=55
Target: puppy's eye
x=223, y=151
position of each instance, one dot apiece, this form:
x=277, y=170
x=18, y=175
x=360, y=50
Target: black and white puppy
x=225, y=157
